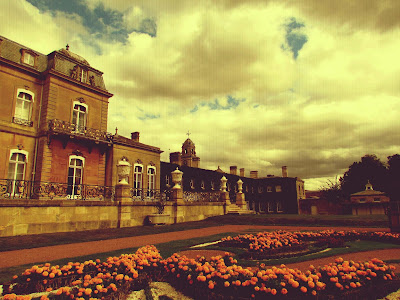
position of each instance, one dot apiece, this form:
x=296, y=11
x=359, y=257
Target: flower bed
x=217, y=278
x=278, y=244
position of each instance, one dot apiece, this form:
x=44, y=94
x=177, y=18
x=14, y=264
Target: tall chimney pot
x=135, y=136
x=253, y=174
x=284, y=171
x=233, y=170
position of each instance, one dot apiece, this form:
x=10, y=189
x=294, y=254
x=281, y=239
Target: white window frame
x=13, y=186
x=279, y=207
x=191, y=183
x=75, y=191
x=269, y=189
x=28, y=58
x=202, y=185
x=79, y=127
x=84, y=75
x=137, y=183
x=270, y=207
x=151, y=181
x=19, y=115
x=278, y=188
x=212, y=185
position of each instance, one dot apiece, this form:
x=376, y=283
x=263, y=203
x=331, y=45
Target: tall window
x=137, y=180
x=16, y=172
x=75, y=172
x=83, y=75
x=151, y=174
x=23, y=104
x=79, y=116
x=279, y=207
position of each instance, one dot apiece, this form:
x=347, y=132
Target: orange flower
x=226, y=284
x=303, y=289
x=273, y=291
x=284, y=291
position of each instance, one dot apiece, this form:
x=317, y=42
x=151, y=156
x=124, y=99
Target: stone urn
x=223, y=184
x=123, y=170
x=176, y=178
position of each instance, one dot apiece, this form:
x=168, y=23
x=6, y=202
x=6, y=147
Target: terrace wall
x=25, y=216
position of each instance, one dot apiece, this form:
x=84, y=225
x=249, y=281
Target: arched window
x=23, y=105
x=137, y=180
x=151, y=174
x=16, y=171
x=75, y=176
x=79, y=115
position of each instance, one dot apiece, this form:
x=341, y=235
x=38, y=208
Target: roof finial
x=116, y=130
x=67, y=47
x=188, y=133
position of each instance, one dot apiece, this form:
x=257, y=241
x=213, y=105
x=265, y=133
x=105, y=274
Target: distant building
x=315, y=204
x=369, y=202
x=271, y=194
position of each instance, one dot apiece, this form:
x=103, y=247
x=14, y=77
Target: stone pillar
x=224, y=197
x=123, y=194
x=240, y=199
x=177, y=196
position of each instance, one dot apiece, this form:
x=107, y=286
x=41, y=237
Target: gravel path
x=45, y=254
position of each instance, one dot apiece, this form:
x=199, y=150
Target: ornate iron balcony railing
x=22, y=189
x=201, y=196
x=149, y=195
x=64, y=127
x=22, y=121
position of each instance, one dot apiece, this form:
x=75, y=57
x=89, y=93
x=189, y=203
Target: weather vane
x=67, y=47
x=188, y=133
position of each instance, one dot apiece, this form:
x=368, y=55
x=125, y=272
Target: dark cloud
x=102, y=23
x=295, y=39
x=232, y=103
x=380, y=15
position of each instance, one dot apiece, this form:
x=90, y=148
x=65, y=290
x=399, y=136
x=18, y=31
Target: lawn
x=50, y=239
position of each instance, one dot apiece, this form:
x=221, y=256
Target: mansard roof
x=63, y=61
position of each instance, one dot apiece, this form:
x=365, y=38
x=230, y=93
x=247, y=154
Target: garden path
x=50, y=253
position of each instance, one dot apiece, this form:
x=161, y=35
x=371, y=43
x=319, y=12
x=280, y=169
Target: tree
x=369, y=168
x=332, y=192
x=393, y=182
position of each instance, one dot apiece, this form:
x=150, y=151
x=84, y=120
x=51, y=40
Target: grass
x=61, y=238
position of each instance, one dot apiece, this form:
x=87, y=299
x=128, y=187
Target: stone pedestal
x=123, y=193
x=240, y=200
x=177, y=195
x=123, y=198
x=177, y=198
x=224, y=197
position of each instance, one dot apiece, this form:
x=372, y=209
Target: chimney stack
x=253, y=174
x=135, y=136
x=284, y=171
x=233, y=170
x=241, y=172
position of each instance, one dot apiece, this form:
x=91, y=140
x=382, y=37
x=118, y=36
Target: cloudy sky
x=310, y=84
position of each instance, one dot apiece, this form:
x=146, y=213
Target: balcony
x=23, y=189
x=59, y=127
x=23, y=122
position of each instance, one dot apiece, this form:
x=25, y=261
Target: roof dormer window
x=28, y=57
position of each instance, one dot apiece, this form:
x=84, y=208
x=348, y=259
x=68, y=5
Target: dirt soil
x=50, y=253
